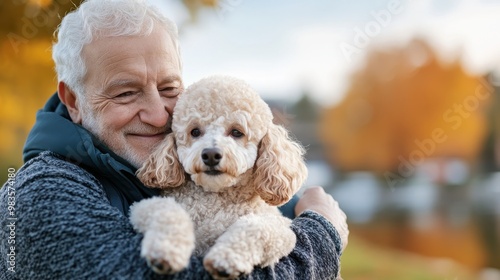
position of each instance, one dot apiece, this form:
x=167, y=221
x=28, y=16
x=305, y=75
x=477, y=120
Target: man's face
x=131, y=87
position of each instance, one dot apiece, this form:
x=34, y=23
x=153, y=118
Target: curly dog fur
x=224, y=168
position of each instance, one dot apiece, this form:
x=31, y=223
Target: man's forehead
x=122, y=58
x=161, y=39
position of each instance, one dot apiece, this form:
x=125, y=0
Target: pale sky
x=282, y=47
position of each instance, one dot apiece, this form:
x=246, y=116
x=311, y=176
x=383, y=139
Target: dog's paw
x=165, y=256
x=225, y=265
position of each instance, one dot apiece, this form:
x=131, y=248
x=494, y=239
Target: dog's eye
x=236, y=133
x=195, y=132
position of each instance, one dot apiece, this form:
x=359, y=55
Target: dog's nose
x=211, y=156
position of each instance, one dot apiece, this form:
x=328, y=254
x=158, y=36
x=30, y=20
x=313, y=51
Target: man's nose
x=154, y=111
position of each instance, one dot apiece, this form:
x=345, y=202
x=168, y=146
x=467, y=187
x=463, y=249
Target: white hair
x=96, y=19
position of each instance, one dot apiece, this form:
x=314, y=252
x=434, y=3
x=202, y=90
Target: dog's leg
x=168, y=233
x=252, y=240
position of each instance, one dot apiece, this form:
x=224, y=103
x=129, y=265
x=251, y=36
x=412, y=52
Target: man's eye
x=195, y=132
x=125, y=94
x=236, y=133
x=170, y=91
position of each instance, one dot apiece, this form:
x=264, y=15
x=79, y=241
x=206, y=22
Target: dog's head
x=223, y=136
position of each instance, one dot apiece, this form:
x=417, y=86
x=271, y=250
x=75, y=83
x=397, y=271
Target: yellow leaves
x=211, y=3
x=404, y=103
x=27, y=79
x=200, y=3
x=41, y=3
x=194, y=6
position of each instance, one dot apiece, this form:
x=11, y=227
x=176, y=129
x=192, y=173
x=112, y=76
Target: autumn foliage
x=405, y=105
x=28, y=80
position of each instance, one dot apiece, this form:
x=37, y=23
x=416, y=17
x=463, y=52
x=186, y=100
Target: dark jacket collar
x=54, y=131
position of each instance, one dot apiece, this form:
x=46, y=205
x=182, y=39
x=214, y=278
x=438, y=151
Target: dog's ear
x=163, y=169
x=280, y=169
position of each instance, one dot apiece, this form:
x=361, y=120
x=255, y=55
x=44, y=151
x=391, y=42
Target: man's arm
x=315, y=199
x=315, y=256
x=66, y=229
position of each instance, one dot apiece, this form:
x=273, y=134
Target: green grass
x=364, y=261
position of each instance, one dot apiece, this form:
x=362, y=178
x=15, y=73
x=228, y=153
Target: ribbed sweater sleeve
x=65, y=228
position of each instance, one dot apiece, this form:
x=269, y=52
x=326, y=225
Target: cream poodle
x=223, y=171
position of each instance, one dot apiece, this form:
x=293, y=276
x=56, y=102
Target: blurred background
x=397, y=103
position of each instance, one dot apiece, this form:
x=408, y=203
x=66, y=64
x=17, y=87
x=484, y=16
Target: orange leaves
x=404, y=102
x=41, y=3
x=27, y=80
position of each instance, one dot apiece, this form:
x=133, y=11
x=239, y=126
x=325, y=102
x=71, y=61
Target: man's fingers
x=316, y=199
x=314, y=190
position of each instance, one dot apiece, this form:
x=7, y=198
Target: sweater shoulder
x=52, y=172
x=49, y=161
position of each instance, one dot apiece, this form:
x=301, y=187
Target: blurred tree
x=26, y=81
x=305, y=109
x=194, y=6
x=403, y=106
x=490, y=161
x=485, y=214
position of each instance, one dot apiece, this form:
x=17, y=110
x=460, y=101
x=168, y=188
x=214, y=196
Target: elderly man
x=119, y=74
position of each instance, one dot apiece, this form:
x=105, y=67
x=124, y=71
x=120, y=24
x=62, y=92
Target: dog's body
x=210, y=224
x=240, y=167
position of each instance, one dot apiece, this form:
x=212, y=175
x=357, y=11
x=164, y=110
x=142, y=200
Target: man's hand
x=317, y=200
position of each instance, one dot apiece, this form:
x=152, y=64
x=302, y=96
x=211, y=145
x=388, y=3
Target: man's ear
x=70, y=99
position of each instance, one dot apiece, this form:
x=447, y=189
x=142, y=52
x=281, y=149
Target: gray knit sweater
x=65, y=228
